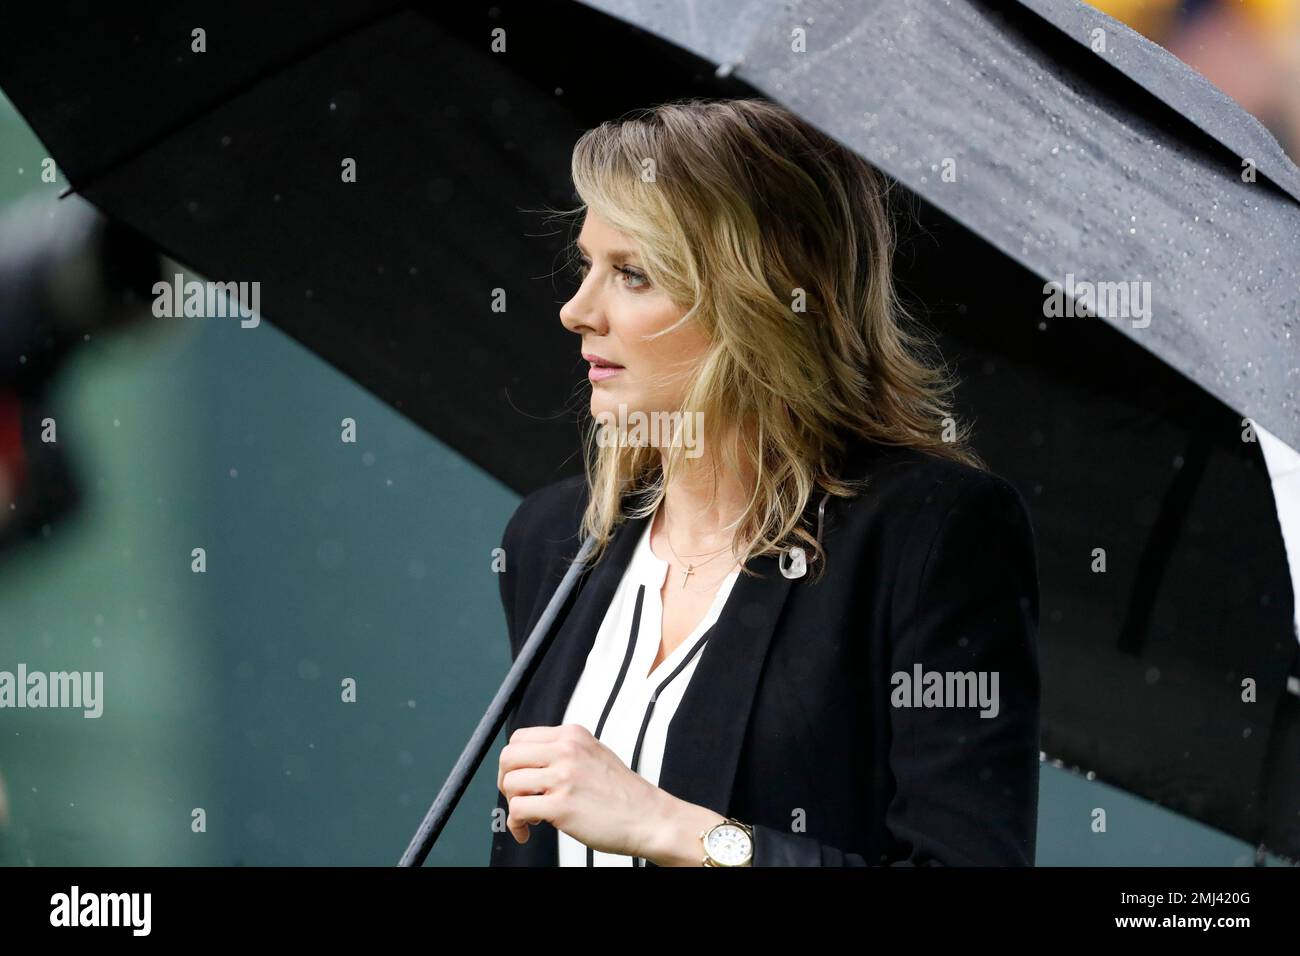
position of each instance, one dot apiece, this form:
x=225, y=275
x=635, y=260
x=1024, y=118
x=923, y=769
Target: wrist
x=676, y=840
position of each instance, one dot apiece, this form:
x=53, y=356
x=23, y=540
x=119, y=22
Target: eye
x=636, y=275
x=634, y=278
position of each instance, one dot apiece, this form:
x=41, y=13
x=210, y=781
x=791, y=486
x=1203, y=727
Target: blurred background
x=1250, y=49
x=325, y=560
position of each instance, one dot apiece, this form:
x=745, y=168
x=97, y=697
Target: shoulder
x=953, y=539
x=919, y=494
x=901, y=470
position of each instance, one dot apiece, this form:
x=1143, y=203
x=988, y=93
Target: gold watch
x=729, y=843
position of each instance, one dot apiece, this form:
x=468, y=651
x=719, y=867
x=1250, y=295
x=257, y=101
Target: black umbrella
x=1032, y=158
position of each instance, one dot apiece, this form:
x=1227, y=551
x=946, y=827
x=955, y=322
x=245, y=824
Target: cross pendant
x=690, y=569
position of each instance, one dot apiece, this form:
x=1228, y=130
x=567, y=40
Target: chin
x=606, y=404
x=601, y=405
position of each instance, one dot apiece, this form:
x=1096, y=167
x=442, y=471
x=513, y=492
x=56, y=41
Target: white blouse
x=613, y=694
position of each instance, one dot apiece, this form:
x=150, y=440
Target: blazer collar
x=707, y=731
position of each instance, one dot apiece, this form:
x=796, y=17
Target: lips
x=598, y=362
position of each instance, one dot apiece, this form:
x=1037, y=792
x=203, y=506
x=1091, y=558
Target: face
x=613, y=310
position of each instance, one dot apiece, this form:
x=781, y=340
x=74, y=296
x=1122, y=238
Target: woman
x=807, y=634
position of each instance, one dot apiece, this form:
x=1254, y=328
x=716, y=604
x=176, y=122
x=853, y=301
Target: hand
x=568, y=778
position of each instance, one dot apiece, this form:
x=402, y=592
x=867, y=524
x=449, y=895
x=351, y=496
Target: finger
x=527, y=781
x=525, y=811
x=539, y=732
x=529, y=754
x=575, y=730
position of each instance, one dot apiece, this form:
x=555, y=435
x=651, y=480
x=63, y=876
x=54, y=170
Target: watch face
x=728, y=844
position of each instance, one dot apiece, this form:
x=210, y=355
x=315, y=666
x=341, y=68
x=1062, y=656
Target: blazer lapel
x=707, y=731
x=549, y=689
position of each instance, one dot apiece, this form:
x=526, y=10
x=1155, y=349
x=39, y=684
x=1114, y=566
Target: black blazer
x=787, y=723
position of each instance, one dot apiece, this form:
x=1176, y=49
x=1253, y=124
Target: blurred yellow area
x=1155, y=16
x=1151, y=18
x=1250, y=49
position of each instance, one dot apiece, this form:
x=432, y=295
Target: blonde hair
x=740, y=210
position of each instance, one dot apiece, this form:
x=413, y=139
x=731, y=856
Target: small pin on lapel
x=798, y=563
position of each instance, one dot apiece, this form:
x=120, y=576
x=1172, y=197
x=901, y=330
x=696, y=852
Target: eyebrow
x=613, y=254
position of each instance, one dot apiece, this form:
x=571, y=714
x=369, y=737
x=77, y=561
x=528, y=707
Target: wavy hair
x=778, y=242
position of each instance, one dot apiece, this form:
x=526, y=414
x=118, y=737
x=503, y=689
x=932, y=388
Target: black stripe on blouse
x=649, y=711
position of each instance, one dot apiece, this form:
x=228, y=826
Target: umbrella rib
x=207, y=104
x=1159, y=550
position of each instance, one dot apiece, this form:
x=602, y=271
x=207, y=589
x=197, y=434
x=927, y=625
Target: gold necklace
x=690, y=568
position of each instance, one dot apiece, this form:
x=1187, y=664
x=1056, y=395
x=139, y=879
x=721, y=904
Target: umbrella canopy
x=1119, y=165
x=1033, y=160
x=1143, y=664
x=426, y=280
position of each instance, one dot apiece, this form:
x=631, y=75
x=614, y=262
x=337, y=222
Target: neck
x=702, y=502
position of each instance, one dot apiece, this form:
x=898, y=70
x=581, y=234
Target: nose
x=582, y=313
